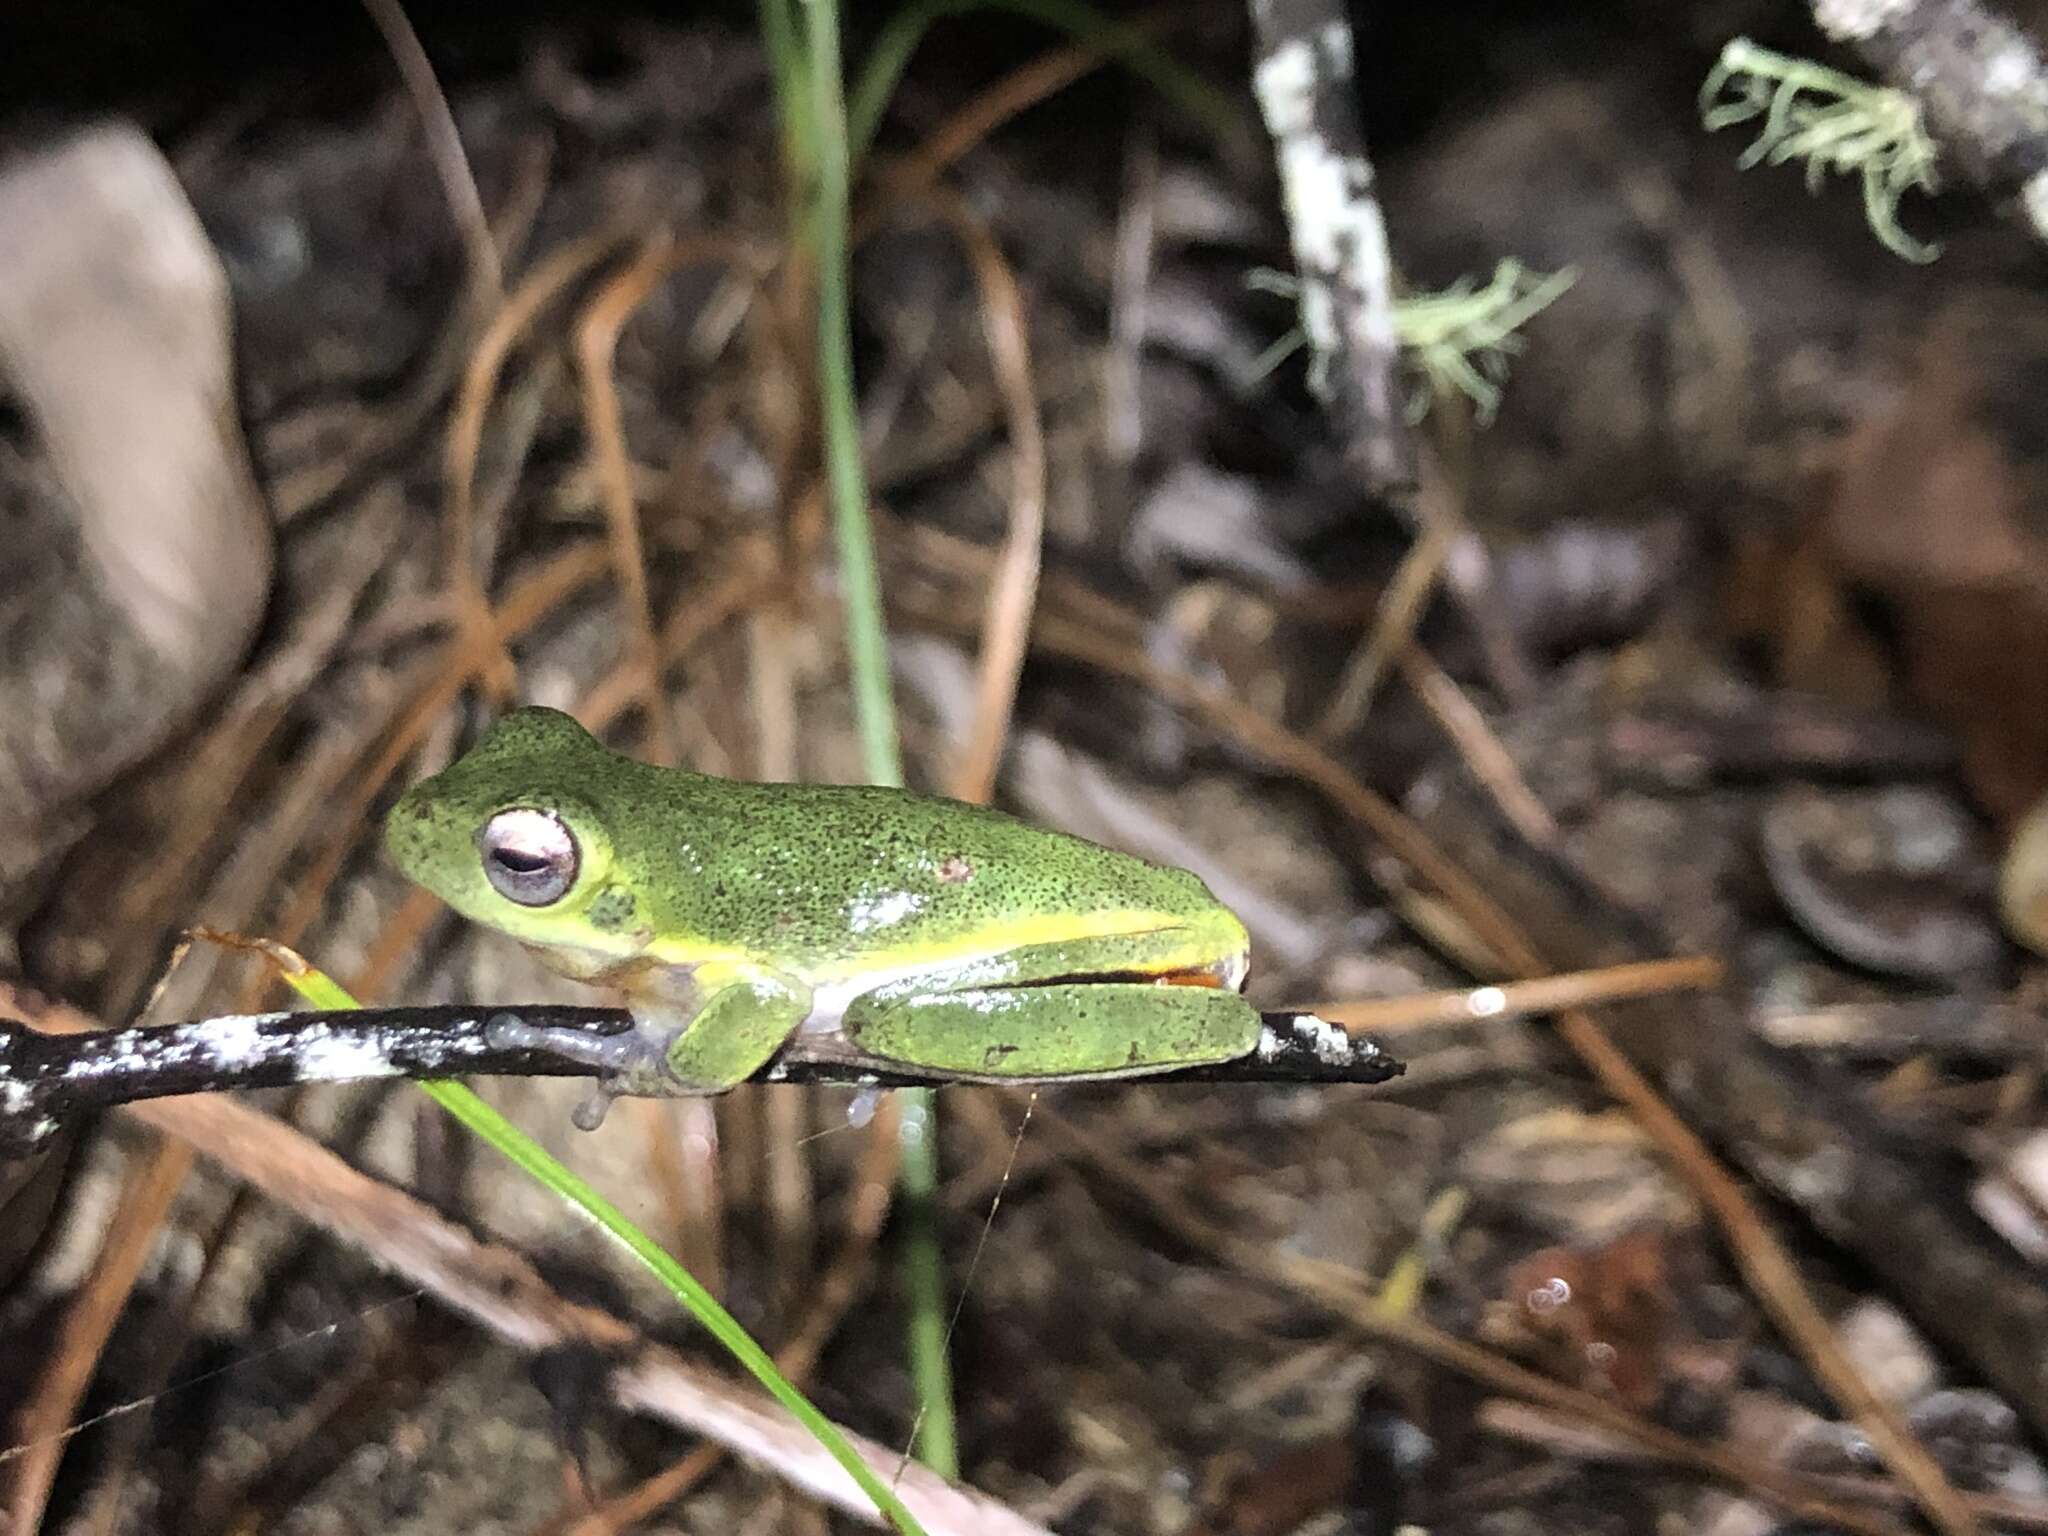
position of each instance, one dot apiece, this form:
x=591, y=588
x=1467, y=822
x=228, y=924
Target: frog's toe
x=507, y=1032
x=625, y=1062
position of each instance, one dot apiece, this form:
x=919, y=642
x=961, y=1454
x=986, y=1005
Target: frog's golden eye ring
x=529, y=856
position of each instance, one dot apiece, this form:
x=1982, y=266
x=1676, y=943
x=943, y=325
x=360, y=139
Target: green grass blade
x=924, y=1276
x=532, y=1159
x=845, y=474
x=785, y=52
x=889, y=55
x=873, y=698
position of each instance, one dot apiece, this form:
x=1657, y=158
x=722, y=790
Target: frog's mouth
x=1215, y=977
x=1231, y=974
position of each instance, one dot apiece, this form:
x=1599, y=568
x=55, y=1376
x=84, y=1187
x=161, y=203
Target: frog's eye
x=529, y=856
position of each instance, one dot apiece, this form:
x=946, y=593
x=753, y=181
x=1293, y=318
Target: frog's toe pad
x=589, y=1114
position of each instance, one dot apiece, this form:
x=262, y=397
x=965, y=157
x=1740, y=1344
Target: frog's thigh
x=1118, y=1029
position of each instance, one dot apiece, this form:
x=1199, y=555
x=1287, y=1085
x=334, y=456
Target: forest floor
x=1722, y=638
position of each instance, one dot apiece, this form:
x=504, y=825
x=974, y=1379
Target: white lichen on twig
x=1458, y=339
x=1304, y=80
x=1832, y=121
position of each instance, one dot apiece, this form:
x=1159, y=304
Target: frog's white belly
x=831, y=998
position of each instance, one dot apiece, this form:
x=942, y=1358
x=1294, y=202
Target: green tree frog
x=904, y=927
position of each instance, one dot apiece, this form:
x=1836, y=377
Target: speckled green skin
x=921, y=929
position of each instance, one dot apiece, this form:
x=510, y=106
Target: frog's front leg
x=699, y=1030
x=1041, y=1018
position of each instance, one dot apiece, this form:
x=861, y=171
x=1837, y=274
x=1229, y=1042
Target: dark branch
x=46, y=1079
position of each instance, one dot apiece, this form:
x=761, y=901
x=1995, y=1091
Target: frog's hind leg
x=1061, y=1030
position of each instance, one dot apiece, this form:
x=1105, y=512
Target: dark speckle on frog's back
x=818, y=871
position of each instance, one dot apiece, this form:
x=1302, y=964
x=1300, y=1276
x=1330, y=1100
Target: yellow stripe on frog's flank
x=995, y=939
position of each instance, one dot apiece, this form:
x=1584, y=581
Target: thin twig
x=486, y=292
x=1490, y=762
x=1400, y=611
x=1446, y=552
x=47, y=1078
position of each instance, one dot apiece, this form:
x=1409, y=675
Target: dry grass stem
x=1519, y=999
x=942, y=148
x=1491, y=764
x=1013, y=582
x=1400, y=610
x=513, y=318
x=597, y=338
x=40, y=1425
x=444, y=148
